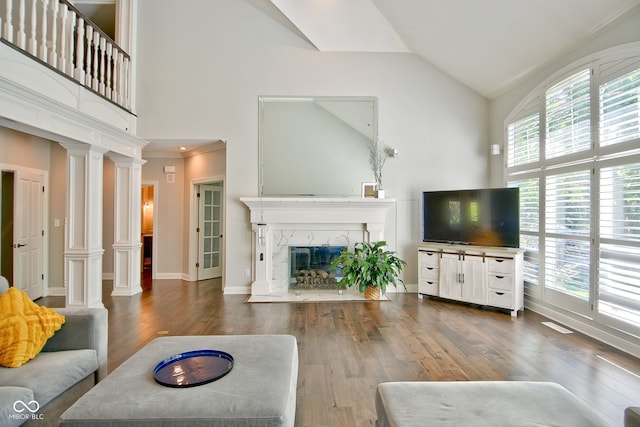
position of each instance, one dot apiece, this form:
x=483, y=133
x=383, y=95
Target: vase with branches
x=378, y=156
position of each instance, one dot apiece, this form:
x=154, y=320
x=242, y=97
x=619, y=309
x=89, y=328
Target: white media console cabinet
x=474, y=274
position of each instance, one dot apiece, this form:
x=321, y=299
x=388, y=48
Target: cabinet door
x=474, y=280
x=450, y=275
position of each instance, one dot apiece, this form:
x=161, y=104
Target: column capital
x=84, y=147
x=122, y=159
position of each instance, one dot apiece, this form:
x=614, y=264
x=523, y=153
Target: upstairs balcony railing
x=57, y=34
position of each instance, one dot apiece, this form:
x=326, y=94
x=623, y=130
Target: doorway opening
x=148, y=252
x=6, y=221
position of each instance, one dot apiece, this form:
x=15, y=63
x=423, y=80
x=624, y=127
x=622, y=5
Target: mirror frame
x=261, y=143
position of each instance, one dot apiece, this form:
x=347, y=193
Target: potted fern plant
x=369, y=267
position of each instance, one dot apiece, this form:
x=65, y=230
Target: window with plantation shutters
x=619, y=257
x=523, y=141
x=574, y=152
x=620, y=203
x=568, y=115
x=530, y=226
x=620, y=109
x=567, y=224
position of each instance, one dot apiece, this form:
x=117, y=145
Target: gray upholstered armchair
x=72, y=361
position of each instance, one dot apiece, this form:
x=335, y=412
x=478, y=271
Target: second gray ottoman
x=481, y=403
x=260, y=390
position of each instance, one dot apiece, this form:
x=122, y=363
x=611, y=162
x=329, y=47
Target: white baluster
x=62, y=62
x=126, y=78
x=108, y=77
x=8, y=24
x=121, y=78
x=115, y=91
x=43, y=38
x=103, y=45
x=53, y=47
x=88, y=76
x=96, y=52
x=80, y=51
x=31, y=44
x=71, y=18
x=22, y=35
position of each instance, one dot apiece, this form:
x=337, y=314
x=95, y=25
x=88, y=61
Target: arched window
x=573, y=149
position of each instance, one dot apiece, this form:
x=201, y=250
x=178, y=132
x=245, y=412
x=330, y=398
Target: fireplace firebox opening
x=310, y=267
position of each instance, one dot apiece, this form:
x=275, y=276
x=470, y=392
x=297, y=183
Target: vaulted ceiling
x=489, y=45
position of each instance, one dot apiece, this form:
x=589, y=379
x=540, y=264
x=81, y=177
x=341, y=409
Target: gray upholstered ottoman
x=260, y=390
x=481, y=403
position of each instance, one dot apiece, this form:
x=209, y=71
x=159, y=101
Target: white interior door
x=210, y=231
x=28, y=226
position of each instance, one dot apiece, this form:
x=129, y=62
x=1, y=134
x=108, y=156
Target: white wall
x=203, y=64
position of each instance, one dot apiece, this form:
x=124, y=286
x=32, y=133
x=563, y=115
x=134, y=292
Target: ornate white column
x=83, y=234
x=126, y=225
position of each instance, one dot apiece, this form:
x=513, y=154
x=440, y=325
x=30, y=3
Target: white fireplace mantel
x=325, y=210
x=278, y=221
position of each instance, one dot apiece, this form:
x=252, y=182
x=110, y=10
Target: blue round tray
x=193, y=368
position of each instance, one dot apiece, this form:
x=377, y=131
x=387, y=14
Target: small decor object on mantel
x=370, y=268
x=369, y=190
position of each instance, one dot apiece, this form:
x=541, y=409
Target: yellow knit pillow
x=24, y=327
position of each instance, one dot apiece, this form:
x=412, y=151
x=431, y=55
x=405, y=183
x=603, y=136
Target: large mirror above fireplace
x=316, y=146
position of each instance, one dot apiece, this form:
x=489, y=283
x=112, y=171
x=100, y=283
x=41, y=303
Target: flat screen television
x=482, y=217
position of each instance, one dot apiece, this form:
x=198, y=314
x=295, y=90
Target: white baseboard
x=411, y=289
x=107, y=276
x=173, y=276
x=586, y=327
x=56, y=291
x=237, y=290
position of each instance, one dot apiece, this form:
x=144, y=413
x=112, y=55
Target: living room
x=198, y=80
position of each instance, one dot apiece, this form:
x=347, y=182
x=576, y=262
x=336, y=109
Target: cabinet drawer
x=428, y=273
x=429, y=287
x=501, y=281
x=500, y=265
x=499, y=299
x=429, y=258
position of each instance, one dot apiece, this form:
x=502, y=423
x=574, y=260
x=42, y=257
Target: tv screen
x=483, y=217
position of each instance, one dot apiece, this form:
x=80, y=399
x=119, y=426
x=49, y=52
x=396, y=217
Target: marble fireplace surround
x=280, y=222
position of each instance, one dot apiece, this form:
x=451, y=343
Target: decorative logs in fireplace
x=315, y=279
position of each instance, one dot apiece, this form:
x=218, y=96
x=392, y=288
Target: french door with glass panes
x=210, y=231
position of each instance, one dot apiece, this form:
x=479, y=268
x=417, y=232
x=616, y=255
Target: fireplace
x=310, y=267
x=280, y=223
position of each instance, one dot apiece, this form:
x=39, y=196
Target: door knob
x=19, y=245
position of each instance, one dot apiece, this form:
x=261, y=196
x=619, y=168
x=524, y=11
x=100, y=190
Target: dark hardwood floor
x=346, y=349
